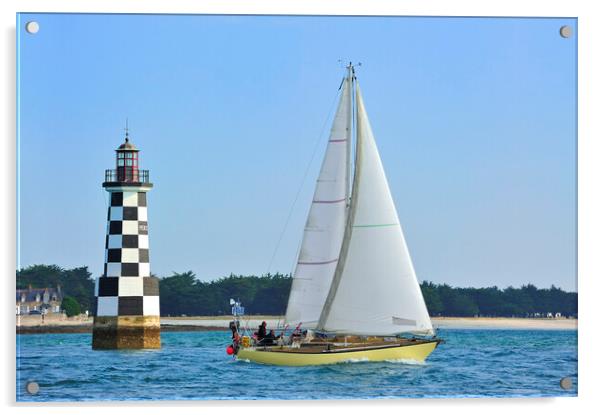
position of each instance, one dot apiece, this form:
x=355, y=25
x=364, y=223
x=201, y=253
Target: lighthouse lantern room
x=127, y=162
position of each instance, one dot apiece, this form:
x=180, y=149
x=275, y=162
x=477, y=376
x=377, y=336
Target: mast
x=350, y=76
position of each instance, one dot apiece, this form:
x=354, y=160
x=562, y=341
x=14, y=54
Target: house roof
x=30, y=293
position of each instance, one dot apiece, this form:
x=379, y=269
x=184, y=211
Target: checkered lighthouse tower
x=127, y=307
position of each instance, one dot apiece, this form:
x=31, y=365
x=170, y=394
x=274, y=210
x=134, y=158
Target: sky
x=475, y=120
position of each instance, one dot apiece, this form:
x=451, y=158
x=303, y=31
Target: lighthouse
x=127, y=296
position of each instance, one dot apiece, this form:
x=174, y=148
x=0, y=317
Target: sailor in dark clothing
x=269, y=339
x=234, y=328
x=261, y=333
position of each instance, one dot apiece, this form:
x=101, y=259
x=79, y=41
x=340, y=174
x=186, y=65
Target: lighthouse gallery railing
x=129, y=176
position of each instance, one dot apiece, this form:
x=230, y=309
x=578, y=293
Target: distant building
x=39, y=300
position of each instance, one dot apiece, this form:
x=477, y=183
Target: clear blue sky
x=475, y=121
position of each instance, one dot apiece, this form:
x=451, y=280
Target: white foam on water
x=406, y=362
x=352, y=360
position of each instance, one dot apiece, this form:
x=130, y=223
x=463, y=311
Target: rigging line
x=313, y=155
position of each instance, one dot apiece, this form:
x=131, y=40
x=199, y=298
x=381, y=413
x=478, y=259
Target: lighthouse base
x=126, y=332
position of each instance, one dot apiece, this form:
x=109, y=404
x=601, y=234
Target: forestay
x=325, y=224
x=375, y=290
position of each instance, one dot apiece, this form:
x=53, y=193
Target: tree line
x=526, y=301
x=184, y=294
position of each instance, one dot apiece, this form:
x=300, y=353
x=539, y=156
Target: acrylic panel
x=183, y=179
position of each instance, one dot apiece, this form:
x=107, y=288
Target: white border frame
x=589, y=178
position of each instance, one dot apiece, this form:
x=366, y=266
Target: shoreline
x=87, y=328
x=34, y=325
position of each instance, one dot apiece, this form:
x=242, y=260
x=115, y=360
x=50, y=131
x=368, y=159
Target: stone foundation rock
x=126, y=332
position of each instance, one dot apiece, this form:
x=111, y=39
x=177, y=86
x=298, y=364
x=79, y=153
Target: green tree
x=457, y=302
x=182, y=293
x=179, y=294
x=432, y=299
x=518, y=301
x=461, y=304
x=272, y=295
x=71, y=306
x=489, y=300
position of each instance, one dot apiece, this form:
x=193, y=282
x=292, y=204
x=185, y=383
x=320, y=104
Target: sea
x=195, y=366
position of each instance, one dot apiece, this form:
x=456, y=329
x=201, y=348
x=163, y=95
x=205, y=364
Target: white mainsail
x=325, y=224
x=374, y=290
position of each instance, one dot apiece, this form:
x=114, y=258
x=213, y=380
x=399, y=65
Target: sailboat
x=354, y=294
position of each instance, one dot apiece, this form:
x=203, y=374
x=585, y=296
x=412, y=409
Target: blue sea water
x=194, y=365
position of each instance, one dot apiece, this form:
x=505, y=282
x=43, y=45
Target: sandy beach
x=60, y=324
x=504, y=323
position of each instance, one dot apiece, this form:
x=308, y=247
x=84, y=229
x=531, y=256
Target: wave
x=407, y=362
x=352, y=360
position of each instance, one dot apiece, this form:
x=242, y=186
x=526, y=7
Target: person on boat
x=269, y=339
x=234, y=327
x=236, y=342
x=261, y=333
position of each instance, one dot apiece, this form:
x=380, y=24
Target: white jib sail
x=377, y=292
x=325, y=224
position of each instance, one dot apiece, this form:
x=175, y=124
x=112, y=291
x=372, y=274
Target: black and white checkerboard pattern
x=126, y=287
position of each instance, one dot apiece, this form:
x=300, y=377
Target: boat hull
x=411, y=352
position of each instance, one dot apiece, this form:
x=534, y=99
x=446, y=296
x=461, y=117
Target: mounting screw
x=32, y=27
x=32, y=388
x=566, y=383
x=566, y=31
